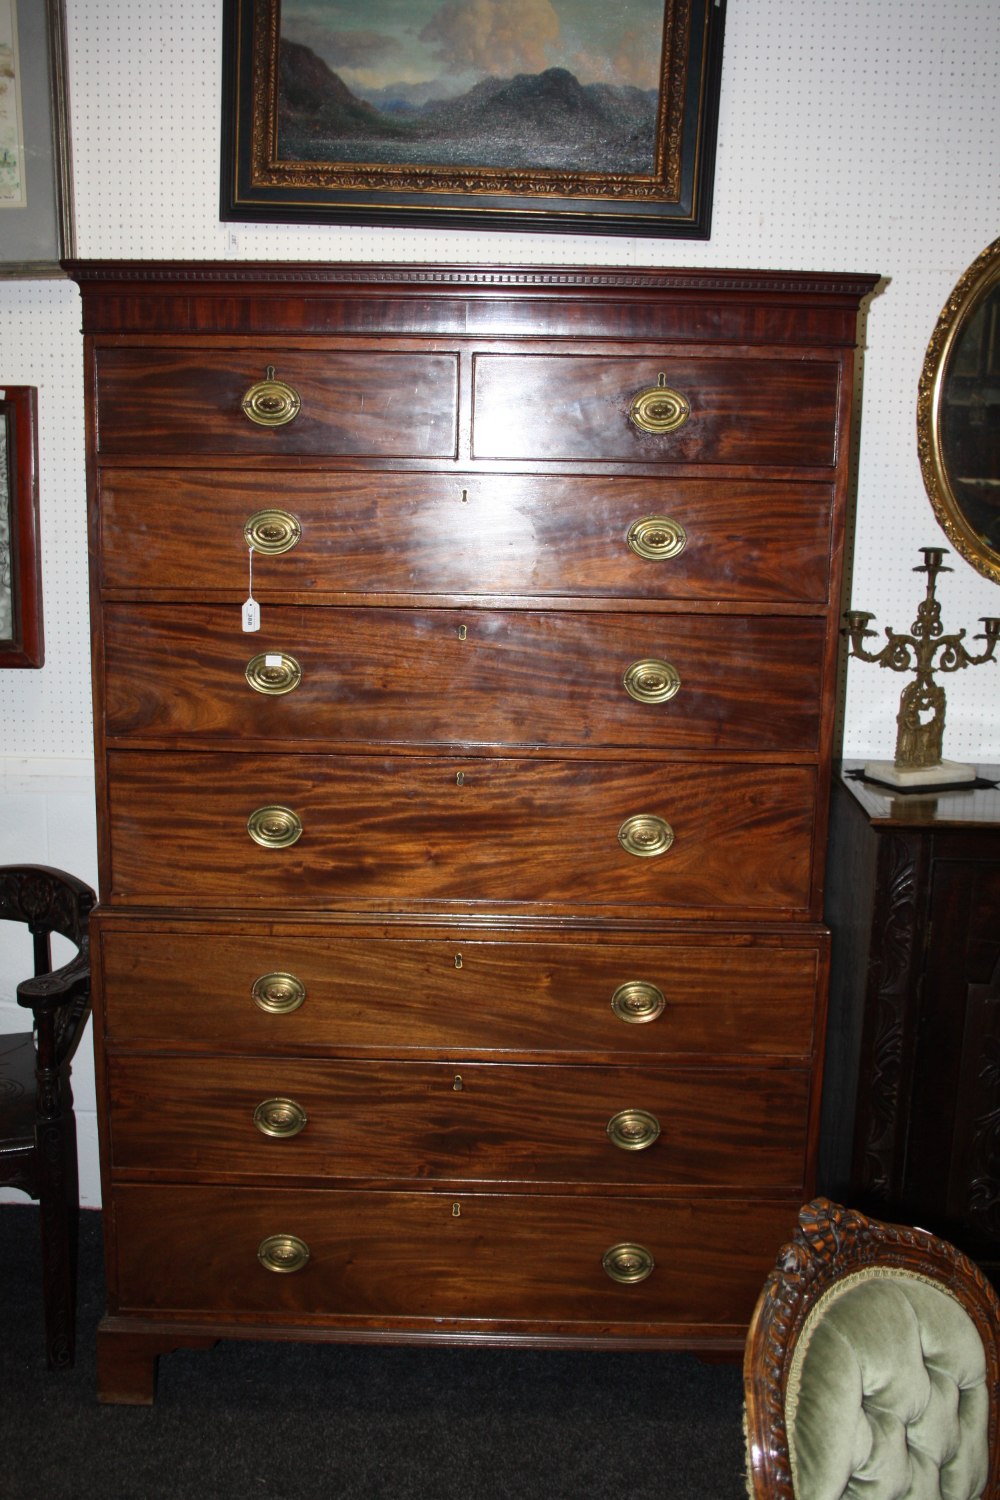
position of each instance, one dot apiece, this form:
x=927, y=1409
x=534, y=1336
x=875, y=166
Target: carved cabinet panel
x=912, y=1099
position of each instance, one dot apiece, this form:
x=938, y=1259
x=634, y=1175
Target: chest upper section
x=423, y=365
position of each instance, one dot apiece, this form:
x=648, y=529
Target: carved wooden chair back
x=37, y=1125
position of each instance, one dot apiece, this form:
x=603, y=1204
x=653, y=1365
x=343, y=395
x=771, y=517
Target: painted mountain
x=542, y=120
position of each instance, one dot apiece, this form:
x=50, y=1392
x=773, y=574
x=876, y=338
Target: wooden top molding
x=306, y=298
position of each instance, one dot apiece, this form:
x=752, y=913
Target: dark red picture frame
x=22, y=641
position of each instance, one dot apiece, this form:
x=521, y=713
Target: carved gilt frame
x=674, y=198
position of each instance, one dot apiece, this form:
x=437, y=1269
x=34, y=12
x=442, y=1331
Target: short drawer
x=316, y=832
x=475, y=1122
x=731, y=411
x=446, y=534
x=294, y=990
x=530, y=1264
x=463, y=678
x=361, y=402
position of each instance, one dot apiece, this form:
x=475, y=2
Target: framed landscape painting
x=554, y=115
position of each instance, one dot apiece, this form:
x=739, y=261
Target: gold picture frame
x=501, y=136
x=958, y=415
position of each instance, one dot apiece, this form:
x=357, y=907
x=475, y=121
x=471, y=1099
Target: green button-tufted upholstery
x=886, y=1396
x=872, y=1367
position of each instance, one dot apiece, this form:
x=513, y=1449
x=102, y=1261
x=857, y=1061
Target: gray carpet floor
x=319, y=1422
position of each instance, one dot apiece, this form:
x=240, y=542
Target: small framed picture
x=21, y=639
x=36, y=197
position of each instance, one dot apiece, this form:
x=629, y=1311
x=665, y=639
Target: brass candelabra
x=920, y=721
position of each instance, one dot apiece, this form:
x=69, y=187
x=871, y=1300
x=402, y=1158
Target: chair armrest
x=48, y=993
x=59, y=1002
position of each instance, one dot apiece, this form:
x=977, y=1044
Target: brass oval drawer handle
x=272, y=532
x=270, y=402
x=280, y=1118
x=273, y=673
x=658, y=409
x=645, y=835
x=278, y=994
x=283, y=1253
x=657, y=538
x=633, y=1130
x=628, y=1264
x=274, y=827
x=637, y=1001
x=652, y=681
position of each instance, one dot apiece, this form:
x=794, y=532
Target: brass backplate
x=280, y=1118
x=283, y=1253
x=272, y=531
x=657, y=538
x=657, y=409
x=278, y=993
x=645, y=835
x=652, y=681
x=273, y=673
x=637, y=1001
x=633, y=1129
x=270, y=402
x=628, y=1263
x=274, y=827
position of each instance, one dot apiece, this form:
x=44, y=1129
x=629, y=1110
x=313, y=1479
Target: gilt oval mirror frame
x=958, y=415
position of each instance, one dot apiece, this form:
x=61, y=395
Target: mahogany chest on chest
x=459, y=965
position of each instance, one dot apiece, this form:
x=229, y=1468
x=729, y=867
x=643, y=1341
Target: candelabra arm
x=857, y=632
x=900, y=652
x=991, y=635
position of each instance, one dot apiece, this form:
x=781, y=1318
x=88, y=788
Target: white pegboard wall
x=851, y=137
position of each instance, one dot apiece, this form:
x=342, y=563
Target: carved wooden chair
x=872, y=1367
x=37, y=1125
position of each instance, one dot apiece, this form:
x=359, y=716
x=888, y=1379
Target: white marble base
x=948, y=773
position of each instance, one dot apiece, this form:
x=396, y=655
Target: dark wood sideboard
x=911, y=1115
x=460, y=967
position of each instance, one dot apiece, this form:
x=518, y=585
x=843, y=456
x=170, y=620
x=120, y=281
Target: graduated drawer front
x=407, y=830
x=466, y=534
x=469, y=1122
x=353, y=402
x=530, y=1260
x=576, y=408
x=460, y=677
x=188, y=988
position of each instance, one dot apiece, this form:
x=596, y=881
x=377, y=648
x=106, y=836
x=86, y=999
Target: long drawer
x=287, y=990
x=479, y=1123
x=463, y=677
x=186, y=830
x=434, y=534
x=483, y=1261
x=576, y=408
x=190, y=399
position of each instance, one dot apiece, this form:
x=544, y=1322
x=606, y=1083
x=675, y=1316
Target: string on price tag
x=251, y=609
